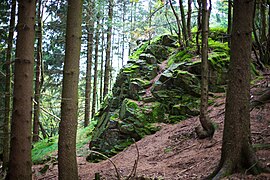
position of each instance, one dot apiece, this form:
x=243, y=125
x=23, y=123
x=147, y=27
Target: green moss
x=217, y=46
x=132, y=104
x=130, y=69
x=135, y=55
x=142, y=82
x=181, y=72
x=218, y=33
x=181, y=56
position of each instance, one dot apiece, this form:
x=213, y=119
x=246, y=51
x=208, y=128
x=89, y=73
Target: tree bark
x=184, y=24
x=89, y=64
x=108, y=50
x=207, y=126
x=189, y=19
x=199, y=25
x=178, y=23
x=6, y=128
x=237, y=153
x=67, y=163
x=263, y=37
x=123, y=31
x=229, y=29
x=101, y=65
x=21, y=138
x=94, y=102
x=38, y=82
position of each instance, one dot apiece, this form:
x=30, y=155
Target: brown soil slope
x=175, y=152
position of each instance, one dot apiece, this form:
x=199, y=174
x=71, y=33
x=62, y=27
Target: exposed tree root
x=263, y=99
x=228, y=168
x=207, y=129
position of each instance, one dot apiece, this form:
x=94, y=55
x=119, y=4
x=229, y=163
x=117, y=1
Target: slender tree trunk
x=237, y=153
x=123, y=32
x=184, y=24
x=8, y=87
x=178, y=23
x=21, y=137
x=199, y=25
x=229, y=29
x=94, y=102
x=208, y=127
x=131, y=27
x=43, y=132
x=189, y=19
x=108, y=50
x=38, y=75
x=166, y=16
x=88, y=86
x=67, y=163
x=263, y=37
x=268, y=2
x=101, y=64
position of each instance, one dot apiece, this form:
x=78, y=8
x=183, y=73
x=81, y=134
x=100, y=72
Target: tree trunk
x=123, y=32
x=189, y=19
x=94, y=102
x=263, y=37
x=237, y=153
x=184, y=24
x=199, y=25
x=20, y=145
x=101, y=65
x=207, y=126
x=178, y=23
x=6, y=128
x=89, y=64
x=108, y=51
x=67, y=163
x=38, y=82
x=229, y=29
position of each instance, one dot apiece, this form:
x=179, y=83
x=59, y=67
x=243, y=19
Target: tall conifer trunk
x=67, y=163
x=189, y=20
x=21, y=137
x=94, y=102
x=108, y=50
x=101, y=65
x=229, y=29
x=184, y=24
x=237, y=154
x=6, y=128
x=38, y=80
x=88, y=86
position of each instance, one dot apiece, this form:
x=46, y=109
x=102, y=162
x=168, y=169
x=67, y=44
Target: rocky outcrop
x=160, y=85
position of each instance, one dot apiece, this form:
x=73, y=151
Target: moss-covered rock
x=159, y=84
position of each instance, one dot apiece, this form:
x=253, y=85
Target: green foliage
x=43, y=150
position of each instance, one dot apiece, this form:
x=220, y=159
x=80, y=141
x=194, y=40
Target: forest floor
x=175, y=152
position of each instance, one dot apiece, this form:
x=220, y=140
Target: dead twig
x=133, y=172
x=116, y=170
